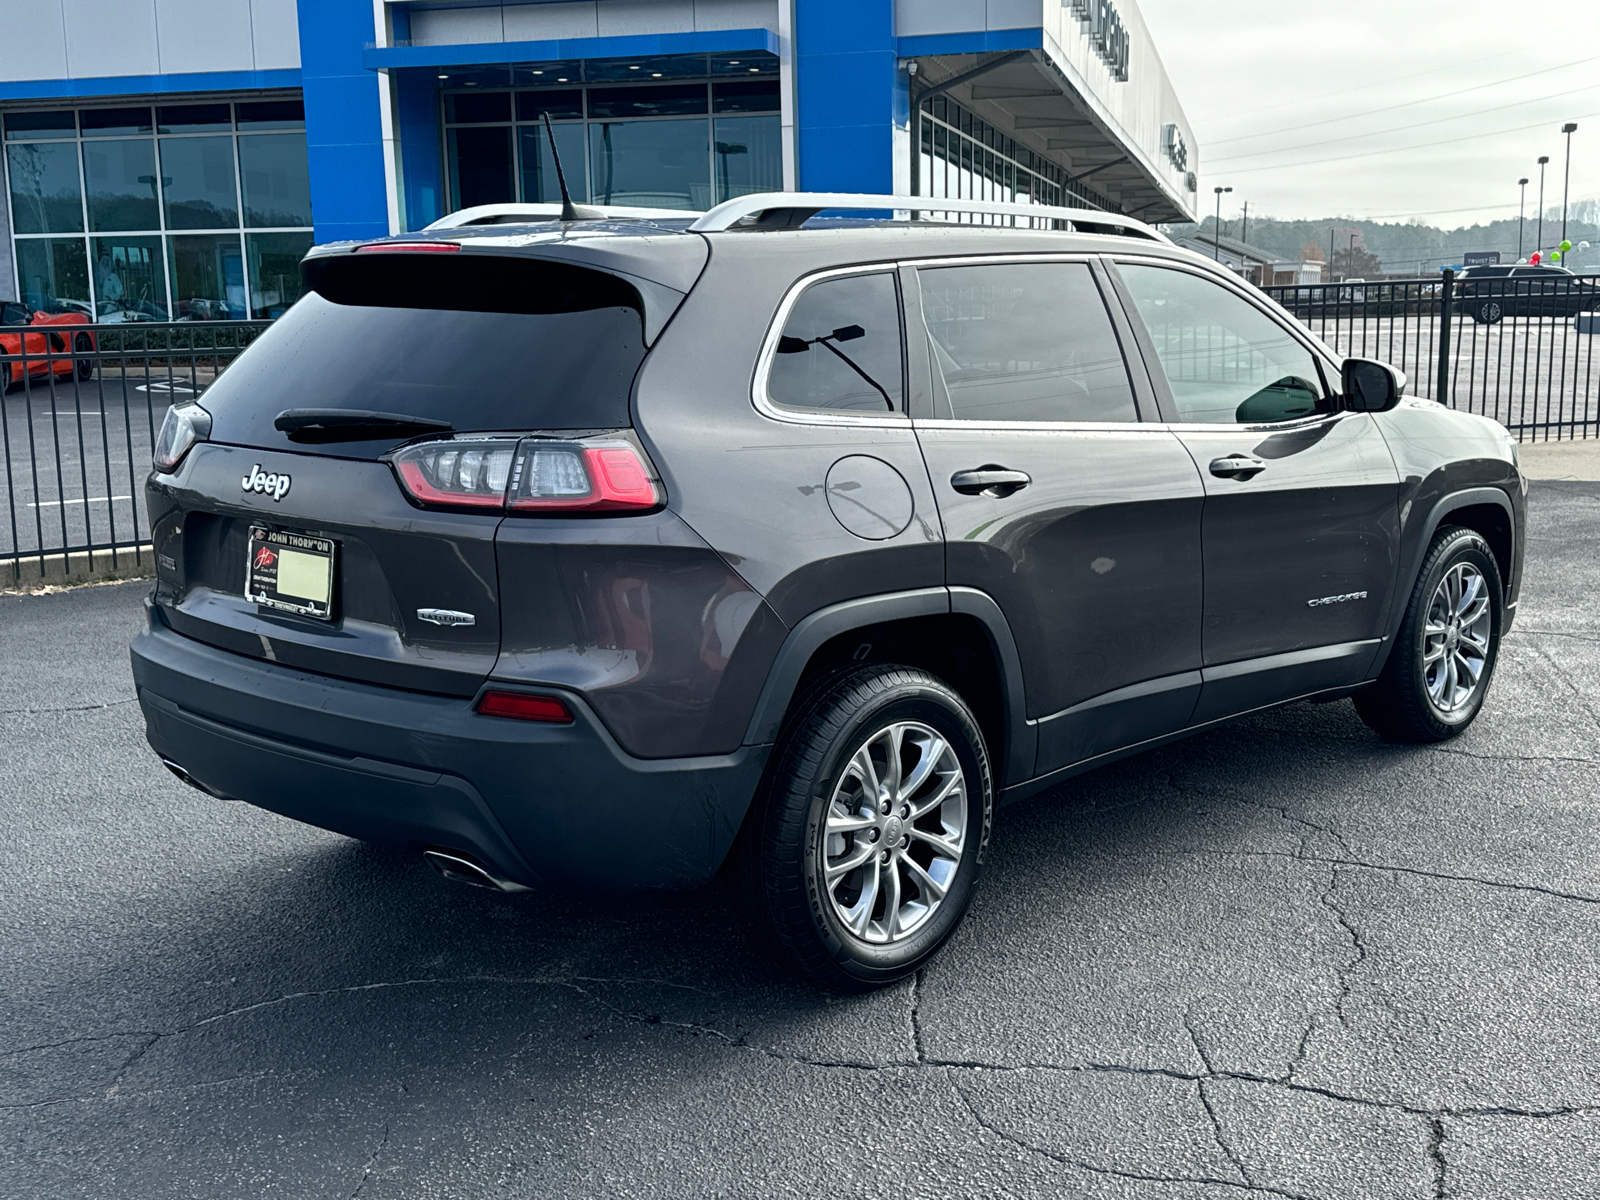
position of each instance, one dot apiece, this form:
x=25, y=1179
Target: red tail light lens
x=459, y=473
x=579, y=477
x=530, y=475
x=524, y=707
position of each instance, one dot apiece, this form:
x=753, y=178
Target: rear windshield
x=481, y=342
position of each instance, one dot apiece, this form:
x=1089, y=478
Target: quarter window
x=1226, y=361
x=841, y=348
x=1023, y=342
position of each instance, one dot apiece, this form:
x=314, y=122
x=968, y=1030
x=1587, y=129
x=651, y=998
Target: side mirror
x=1371, y=386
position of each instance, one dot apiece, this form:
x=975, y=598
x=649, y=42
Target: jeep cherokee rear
x=575, y=555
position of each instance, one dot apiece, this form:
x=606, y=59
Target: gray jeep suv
x=602, y=553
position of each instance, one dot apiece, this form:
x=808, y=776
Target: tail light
x=530, y=475
x=183, y=426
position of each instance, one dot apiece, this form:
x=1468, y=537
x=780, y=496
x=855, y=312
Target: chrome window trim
x=767, y=407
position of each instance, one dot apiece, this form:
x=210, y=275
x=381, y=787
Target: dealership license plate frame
x=262, y=575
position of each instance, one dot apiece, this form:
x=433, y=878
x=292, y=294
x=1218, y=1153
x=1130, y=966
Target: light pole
x=1350, y=258
x=1216, y=234
x=1543, y=158
x=1522, y=204
x=1569, y=128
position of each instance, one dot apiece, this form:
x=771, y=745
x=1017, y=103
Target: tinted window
x=658, y=101
x=1226, y=361
x=200, y=187
x=484, y=342
x=840, y=347
x=1023, y=342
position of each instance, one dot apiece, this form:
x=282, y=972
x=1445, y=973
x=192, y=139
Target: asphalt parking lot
x=1281, y=958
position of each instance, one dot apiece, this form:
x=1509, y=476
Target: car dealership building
x=175, y=158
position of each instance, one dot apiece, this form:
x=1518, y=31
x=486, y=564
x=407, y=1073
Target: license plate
x=291, y=571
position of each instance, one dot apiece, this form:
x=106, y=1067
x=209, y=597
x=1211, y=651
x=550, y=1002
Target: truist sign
x=1107, y=34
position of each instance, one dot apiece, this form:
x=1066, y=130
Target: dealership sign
x=1481, y=258
x=1177, y=149
x=1107, y=34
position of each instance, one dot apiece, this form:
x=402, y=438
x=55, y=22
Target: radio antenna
x=568, y=213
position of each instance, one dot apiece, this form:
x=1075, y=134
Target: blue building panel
x=140, y=85
x=847, y=76
x=344, y=131
x=719, y=41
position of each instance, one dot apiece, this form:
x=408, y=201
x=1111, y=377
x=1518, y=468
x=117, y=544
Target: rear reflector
x=524, y=707
x=410, y=247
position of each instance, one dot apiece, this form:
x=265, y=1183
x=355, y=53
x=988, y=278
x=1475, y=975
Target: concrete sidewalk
x=1568, y=460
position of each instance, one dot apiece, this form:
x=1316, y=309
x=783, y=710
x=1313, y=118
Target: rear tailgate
x=467, y=347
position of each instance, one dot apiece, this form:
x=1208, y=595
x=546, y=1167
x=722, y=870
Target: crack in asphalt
x=1117, y=1172
x=1436, y=1157
x=372, y=1161
x=1349, y=968
x=68, y=708
x=1514, y=758
x=916, y=1016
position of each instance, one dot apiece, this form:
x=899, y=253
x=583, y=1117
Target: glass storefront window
x=638, y=137
x=121, y=179
x=749, y=156
x=124, y=178
x=275, y=271
x=54, y=274
x=45, y=192
x=480, y=165
x=199, y=183
x=539, y=167
x=207, y=277
x=130, y=279
x=277, y=182
x=651, y=164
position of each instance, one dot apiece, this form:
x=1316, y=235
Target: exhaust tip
x=463, y=868
x=192, y=781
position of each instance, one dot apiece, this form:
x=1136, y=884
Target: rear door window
x=1023, y=342
x=841, y=348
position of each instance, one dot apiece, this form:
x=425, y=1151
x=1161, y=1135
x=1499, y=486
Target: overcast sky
x=1307, y=75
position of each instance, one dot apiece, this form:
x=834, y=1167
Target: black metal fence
x=1515, y=347
x=79, y=412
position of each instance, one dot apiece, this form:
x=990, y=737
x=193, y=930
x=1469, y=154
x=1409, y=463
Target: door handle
x=990, y=480
x=1237, y=466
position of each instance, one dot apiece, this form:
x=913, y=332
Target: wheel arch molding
x=958, y=634
x=1502, y=535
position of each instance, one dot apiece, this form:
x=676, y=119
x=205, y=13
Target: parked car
x=1492, y=293
x=613, y=553
x=47, y=334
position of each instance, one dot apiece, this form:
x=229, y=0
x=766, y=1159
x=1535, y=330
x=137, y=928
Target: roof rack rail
x=506, y=214
x=790, y=210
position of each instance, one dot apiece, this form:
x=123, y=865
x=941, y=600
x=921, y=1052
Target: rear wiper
x=352, y=424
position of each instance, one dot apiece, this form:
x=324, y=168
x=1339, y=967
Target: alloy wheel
x=894, y=833
x=1455, y=638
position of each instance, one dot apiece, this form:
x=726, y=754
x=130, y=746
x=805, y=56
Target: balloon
x=1534, y=258
x=1583, y=245
x=1521, y=261
x=1555, y=256
x=1565, y=246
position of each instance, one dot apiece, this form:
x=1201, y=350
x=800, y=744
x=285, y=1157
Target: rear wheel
x=1489, y=312
x=85, y=366
x=1444, y=655
x=863, y=857
x=5, y=378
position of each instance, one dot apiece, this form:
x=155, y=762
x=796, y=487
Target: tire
x=5, y=378
x=1488, y=313
x=85, y=366
x=835, y=743
x=1423, y=693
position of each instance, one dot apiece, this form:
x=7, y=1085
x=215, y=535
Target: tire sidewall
x=943, y=712
x=1463, y=546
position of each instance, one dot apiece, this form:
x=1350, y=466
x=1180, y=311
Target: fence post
x=1446, y=291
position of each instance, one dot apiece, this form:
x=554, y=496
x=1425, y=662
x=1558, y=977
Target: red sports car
x=46, y=334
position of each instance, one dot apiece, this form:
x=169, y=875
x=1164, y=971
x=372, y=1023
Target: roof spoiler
x=790, y=210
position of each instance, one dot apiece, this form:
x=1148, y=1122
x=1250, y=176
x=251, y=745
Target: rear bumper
x=541, y=805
